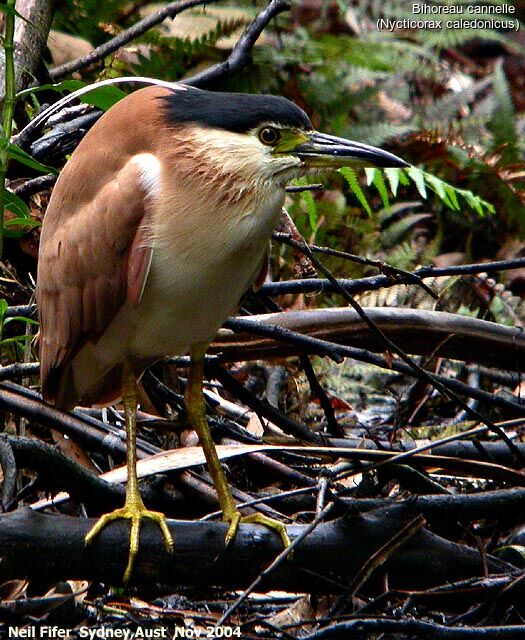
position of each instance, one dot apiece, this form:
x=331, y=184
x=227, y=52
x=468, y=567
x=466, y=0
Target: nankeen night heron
x=157, y=226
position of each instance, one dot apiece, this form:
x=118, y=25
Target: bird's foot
x=136, y=512
x=235, y=519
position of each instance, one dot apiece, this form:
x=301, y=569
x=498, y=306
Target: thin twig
x=35, y=185
x=285, y=553
x=405, y=455
x=499, y=503
x=428, y=377
x=90, y=432
x=304, y=187
x=376, y=560
x=352, y=285
x=334, y=428
x=241, y=54
x=358, y=285
x=368, y=627
x=310, y=344
x=393, y=273
x=98, y=54
x=263, y=408
x=19, y=370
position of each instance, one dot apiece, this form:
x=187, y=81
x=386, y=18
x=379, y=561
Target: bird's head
x=265, y=134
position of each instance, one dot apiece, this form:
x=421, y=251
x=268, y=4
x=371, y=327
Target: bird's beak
x=321, y=150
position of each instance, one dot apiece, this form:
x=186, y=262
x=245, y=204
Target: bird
x=158, y=224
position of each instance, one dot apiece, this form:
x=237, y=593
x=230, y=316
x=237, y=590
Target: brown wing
x=91, y=258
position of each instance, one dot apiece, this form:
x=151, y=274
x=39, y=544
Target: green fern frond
x=447, y=193
x=402, y=256
x=353, y=183
x=449, y=35
x=85, y=18
x=375, y=177
x=170, y=57
x=423, y=181
x=449, y=38
x=503, y=121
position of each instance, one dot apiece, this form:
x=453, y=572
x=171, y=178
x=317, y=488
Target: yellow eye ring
x=269, y=136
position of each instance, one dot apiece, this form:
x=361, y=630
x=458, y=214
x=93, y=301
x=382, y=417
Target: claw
x=136, y=513
x=235, y=519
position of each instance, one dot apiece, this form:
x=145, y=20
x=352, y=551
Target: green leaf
x=18, y=154
x=449, y=195
x=437, y=185
x=21, y=338
x=103, y=97
x=15, y=204
x=451, y=199
x=403, y=178
x=311, y=208
x=502, y=124
x=446, y=192
x=3, y=308
x=393, y=179
x=351, y=178
x=379, y=183
x=21, y=319
x=474, y=202
x=65, y=85
x=27, y=222
x=22, y=219
x=20, y=226
x=419, y=180
x=370, y=173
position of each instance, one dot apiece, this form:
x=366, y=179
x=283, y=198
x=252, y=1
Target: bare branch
x=393, y=348
x=241, y=54
x=373, y=626
x=34, y=545
x=169, y=11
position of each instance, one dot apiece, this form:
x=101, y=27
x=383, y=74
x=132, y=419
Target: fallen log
x=35, y=545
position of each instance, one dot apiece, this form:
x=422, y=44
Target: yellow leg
x=134, y=508
x=197, y=416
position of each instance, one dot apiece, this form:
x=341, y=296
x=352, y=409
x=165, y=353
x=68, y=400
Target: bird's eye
x=269, y=136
